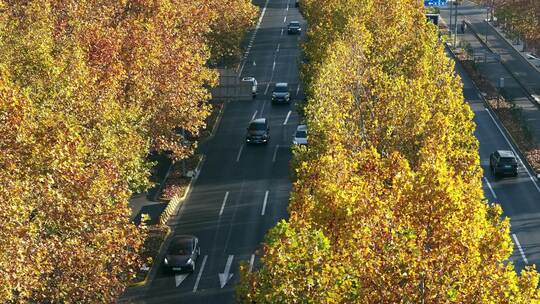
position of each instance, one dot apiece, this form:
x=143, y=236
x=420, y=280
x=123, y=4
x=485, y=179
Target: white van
x=253, y=83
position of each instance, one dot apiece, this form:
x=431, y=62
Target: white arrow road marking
x=224, y=201
x=519, y=248
x=490, y=189
x=239, y=153
x=251, y=260
x=287, y=118
x=275, y=153
x=254, y=64
x=225, y=276
x=200, y=274
x=179, y=278
x=264, y=203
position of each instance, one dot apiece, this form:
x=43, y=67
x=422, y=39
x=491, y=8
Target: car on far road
x=503, y=162
x=253, y=83
x=533, y=59
x=258, y=131
x=281, y=93
x=294, y=28
x=300, y=136
x=182, y=253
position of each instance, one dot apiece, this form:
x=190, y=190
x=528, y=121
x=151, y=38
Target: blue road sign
x=435, y=2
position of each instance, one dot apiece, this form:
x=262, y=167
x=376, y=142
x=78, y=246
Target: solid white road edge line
x=275, y=153
x=200, y=274
x=239, y=153
x=520, y=249
x=257, y=27
x=490, y=188
x=224, y=202
x=254, y=115
x=251, y=261
x=264, y=203
x=287, y=118
x=512, y=147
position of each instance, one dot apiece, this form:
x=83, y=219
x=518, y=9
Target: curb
x=524, y=160
x=216, y=124
x=528, y=93
x=143, y=282
x=177, y=201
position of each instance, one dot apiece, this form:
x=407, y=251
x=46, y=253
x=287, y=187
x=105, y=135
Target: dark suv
x=294, y=28
x=281, y=93
x=503, y=162
x=258, y=131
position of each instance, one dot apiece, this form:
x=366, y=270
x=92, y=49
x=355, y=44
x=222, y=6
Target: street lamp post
x=455, y=22
x=450, y=28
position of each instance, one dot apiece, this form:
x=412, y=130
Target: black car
x=294, y=28
x=503, y=162
x=281, y=93
x=296, y=3
x=182, y=253
x=258, y=131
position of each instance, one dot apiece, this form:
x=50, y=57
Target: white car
x=533, y=59
x=300, y=136
x=253, y=83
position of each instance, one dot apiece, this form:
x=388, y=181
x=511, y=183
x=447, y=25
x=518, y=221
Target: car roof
x=281, y=84
x=506, y=153
x=301, y=128
x=258, y=121
x=183, y=239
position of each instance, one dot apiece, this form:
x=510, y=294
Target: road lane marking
x=224, y=202
x=297, y=89
x=285, y=19
x=275, y=153
x=490, y=189
x=254, y=115
x=225, y=276
x=513, y=150
x=264, y=203
x=251, y=261
x=257, y=27
x=278, y=45
x=267, y=87
x=239, y=153
x=262, y=108
x=281, y=32
x=520, y=249
x=179, y=278
x=287, y=118
x=200, y=274
x=274, y=65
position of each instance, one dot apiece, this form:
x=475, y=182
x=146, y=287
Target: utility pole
x=450, y=28
x=455, y=22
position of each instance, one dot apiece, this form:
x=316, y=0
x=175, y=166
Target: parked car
x=294, y=28
x=258, y=131
x=300, y=136
x=182, y=253
x=253, y=82
x=503, y=162
x=281, y=93
x=533, y=59
x=296, y=3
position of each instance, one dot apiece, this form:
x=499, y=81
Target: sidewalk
x=488, y=64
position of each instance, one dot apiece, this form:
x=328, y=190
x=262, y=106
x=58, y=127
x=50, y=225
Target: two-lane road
x=242, y=190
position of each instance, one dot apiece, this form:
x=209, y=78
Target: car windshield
x=180, y=248
x=257, y=126
x=281, y=89
x=294, y=24
x=301, y=134
x=507, y=160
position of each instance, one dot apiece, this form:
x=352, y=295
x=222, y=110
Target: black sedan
x=182, y=253
x=258, y=131
x=503, y=162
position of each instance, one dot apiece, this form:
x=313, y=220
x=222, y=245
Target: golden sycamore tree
x=87, y=88
x=387, y=206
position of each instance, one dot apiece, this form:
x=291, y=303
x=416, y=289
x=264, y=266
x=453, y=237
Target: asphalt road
x=519, y=197
x=242, y=190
